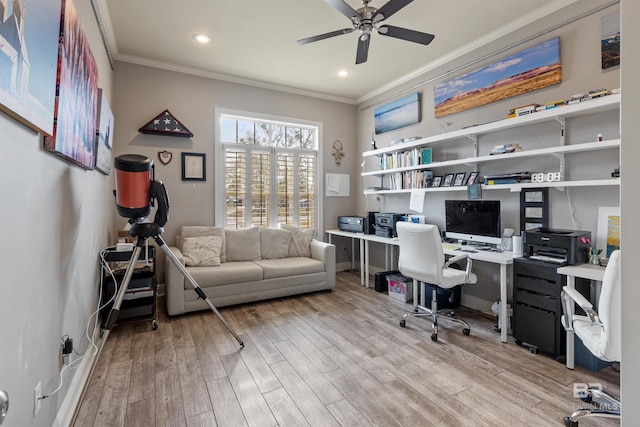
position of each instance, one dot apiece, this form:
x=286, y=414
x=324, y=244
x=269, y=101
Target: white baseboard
x=82, y=376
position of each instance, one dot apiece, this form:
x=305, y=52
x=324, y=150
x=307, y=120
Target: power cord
x=75, y=363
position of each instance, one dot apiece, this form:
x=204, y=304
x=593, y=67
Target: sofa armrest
x=174, y=284
x=325, y=252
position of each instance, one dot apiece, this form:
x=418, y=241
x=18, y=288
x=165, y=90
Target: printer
x=385, y=223
x=357, y=224
x=562, y=247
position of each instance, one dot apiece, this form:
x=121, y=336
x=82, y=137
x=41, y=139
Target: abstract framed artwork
x=74, y=126
x=193, y=167
x=608, y=233
x=104, y=134
x=530, y=69
x=397, y=114
x=28, y=61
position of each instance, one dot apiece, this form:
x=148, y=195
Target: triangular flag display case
x=166, y=124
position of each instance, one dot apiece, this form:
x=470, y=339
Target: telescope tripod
x=144, y=230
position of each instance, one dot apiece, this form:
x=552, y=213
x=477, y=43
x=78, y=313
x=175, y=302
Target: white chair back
x=609, y=306
x=421, y=256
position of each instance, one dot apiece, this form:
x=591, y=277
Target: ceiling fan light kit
x=368, y=18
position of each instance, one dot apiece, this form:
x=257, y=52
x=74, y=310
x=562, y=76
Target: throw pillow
x=203, y=230
x=202, y=251
x=243, y=245
x=274, y=243
x=300, y=240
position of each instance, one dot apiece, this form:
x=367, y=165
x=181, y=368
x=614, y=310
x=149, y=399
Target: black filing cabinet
x=139, y=302
x=537, y=306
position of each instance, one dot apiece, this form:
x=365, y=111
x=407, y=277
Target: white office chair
x=422, y=259
x=600, y=333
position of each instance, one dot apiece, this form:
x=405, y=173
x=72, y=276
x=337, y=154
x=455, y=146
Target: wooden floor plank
x=226, y=408
x=327, y=359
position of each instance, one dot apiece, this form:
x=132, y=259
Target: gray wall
x=572, y=208
x=55, y=217
x=141, y=93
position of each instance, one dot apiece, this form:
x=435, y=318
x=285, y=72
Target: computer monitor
x=473, y=220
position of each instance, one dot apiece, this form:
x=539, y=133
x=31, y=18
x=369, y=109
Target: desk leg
x=353, y=259
x=362, y=282
x=504, y=320
x=570, y=356
x=366, y=263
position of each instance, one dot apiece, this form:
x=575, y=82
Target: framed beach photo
x=448, y=180
x=459, y=180
x=473, y=177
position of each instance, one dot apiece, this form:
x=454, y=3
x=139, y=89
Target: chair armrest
x=575, y=296
x=460, y=258
x=455, y=259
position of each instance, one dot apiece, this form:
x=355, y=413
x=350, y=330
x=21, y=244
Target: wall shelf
x=606, y=103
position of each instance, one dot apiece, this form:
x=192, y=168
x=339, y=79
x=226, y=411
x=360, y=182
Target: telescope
x=136, y=193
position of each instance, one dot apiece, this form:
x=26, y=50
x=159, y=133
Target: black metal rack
x=139, y=304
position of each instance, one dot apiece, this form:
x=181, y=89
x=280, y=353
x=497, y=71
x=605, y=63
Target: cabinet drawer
x=537, y=285
x=535, y=299
x=536, y=327
x=534, y=269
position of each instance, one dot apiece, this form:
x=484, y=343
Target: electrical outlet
x=37, y=398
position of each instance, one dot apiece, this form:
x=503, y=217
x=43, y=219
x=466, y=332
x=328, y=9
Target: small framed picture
x=473, y=177
x=193, y=167
x=448, y=180
x=437, y=180
x=459, y=180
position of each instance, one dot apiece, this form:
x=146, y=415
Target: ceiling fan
x=368, y=18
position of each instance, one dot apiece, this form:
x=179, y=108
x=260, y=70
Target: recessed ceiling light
x=202, y=38
x=343, y=73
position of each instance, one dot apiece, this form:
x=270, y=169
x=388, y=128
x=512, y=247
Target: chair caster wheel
x=568, y=423
x=154, y=325
x=403, y=323
x=434, y=337
x=466, y=331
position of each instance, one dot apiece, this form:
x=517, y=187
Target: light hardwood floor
x=327, y=359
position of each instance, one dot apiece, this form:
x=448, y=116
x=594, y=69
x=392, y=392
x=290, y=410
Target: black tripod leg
x=195, y=285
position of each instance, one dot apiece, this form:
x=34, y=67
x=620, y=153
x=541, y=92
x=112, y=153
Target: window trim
x=219, y=177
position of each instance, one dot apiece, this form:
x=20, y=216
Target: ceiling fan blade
x=363, y=49
x=405, y=34
x=391, y=7
x=326, y=35
x=345, y=9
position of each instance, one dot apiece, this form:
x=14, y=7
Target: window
x=267, y=171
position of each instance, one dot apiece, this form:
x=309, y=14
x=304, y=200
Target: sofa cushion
x=293, y=266
x=202, y=250
x=300, y=240
x=243, y=245
x=225, y=274
x=203, y=230
x=274, y=243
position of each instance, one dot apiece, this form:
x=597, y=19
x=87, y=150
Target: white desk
x=583, y=271
x=501, y=258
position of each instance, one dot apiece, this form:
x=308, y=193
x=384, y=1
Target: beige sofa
x=240, y=266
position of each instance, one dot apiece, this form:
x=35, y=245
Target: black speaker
x=380, y=280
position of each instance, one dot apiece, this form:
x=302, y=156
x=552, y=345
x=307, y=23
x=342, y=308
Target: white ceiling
x=254, y=41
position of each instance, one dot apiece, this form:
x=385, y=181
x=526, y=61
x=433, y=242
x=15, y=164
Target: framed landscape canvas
x=74, y=128
x=28, y=61
x=397, y=114
x=610, y=40
x=530, y=69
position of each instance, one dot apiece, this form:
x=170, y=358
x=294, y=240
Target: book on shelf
x=425, y=156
